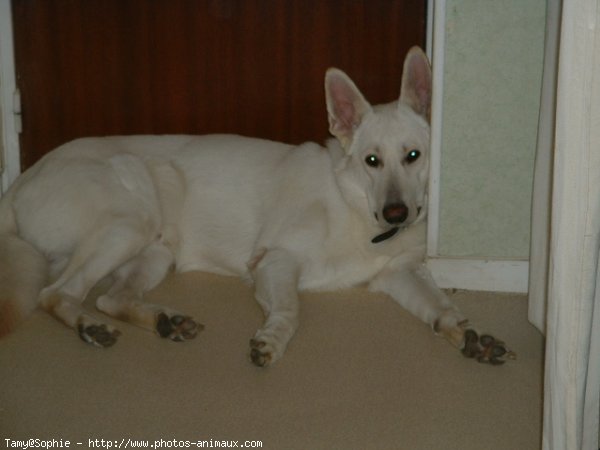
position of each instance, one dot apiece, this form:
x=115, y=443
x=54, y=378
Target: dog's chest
x=339, y=263
x=331, y=269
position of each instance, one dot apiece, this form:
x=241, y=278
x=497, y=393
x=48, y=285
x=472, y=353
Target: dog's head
x=386, y=147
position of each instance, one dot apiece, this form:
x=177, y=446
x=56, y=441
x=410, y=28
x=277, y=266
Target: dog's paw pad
x=98, y=335
x=259, y=355
x=486, y=348
x=178, y=328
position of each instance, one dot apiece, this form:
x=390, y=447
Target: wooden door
x=253, y=67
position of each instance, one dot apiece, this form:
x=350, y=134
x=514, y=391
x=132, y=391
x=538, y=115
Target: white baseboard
x=480, y=275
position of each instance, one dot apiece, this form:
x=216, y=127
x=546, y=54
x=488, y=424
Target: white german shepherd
x=288, y=218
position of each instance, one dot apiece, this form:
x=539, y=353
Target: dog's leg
x=413, y=287
x=124, y=300
x=93, y=259
x=275, y=274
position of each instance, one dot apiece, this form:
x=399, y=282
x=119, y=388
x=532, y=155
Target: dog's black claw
x=163, y=325
x=498, y=350
x=177, y=320
x=486, y=340
x=471, y=348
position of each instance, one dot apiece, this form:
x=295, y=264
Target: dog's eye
x=373, y=161
x=412, y=156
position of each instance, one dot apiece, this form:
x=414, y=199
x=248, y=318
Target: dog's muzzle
x=394, y=213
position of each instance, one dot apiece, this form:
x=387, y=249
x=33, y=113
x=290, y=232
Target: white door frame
x=10, y=123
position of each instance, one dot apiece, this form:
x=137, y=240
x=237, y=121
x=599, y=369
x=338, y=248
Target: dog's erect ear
x=416, y=83
x=346, y=106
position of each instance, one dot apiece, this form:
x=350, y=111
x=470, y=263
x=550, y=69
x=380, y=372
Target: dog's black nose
x=395, y=213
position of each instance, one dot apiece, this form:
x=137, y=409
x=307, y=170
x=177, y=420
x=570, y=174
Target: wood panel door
x=253, y=67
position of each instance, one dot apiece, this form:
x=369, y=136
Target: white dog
x=288, y=218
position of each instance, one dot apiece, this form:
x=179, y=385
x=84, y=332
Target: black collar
x=386, y=235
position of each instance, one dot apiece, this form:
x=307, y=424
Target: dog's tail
x=22, y=272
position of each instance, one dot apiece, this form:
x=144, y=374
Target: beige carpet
x=361, y=373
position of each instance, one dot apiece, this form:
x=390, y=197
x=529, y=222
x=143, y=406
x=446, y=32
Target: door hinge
x=17, y=111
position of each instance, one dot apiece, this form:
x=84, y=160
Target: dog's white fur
x=288, y=218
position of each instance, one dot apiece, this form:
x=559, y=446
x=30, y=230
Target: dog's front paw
x=459, y=332
x=178, y=328
x=260, y=354
x=270, y=341
x=99, y=335
x=485, y=348
x=264, y=352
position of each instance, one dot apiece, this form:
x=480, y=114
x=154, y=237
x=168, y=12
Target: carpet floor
x=361, y=373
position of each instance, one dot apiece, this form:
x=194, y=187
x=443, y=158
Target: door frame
x=10, y=123
x=500, y=275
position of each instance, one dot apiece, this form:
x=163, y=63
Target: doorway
x=105, y=67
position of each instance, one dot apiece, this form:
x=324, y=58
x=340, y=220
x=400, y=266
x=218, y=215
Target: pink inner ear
x=423, y=94
x=422, y=81
x=419, y=84
x=345, y=114
x=343, y=98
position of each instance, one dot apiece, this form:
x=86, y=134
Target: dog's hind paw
x=485, y=348
x=178, y=328
x=98, y=335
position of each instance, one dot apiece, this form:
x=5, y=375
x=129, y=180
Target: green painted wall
x=492, y=81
